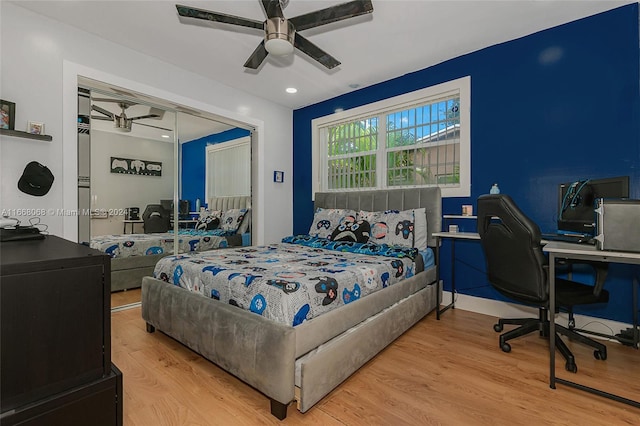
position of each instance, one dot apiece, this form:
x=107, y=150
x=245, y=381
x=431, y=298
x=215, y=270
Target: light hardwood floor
x=125, y=297
x=447, y=372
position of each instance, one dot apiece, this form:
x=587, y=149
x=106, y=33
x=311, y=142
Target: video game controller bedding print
x=127, y=245
x=288, y=282
x=136, y=167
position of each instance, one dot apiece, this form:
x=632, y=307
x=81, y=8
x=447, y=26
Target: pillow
x=420, y=230
x=391, y=227
x=208, y=223
x=231, y=219
x=326, y=220
x=244, y=226
x=207, y=213
x=357, y=231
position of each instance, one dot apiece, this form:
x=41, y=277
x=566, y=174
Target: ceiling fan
x=281, y=35
x=122, y=122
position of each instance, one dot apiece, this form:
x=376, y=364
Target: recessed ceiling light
x=165, y=136
x=291, y=90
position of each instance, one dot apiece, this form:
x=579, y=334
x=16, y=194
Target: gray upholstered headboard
x=235, y=202
x=228, y=203
x=389, y=199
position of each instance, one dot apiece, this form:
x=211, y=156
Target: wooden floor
x=447, y=372
x=125, y=297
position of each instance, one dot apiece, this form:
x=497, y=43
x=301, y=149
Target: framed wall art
x=8, y=112
x=35, y=128
x=130, y=166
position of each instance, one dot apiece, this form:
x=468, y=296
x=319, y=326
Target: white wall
x=40, y=61
x=114, y=192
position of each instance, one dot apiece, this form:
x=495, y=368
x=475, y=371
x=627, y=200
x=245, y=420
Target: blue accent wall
x=194, y=163
x=556, y=106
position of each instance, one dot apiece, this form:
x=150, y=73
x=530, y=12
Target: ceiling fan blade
x=332, y=14
x=272, y=8
x=97, y=117
x=156, y=127
x=117, y=101
x=207, y=15
x=103, y=111
x=257, y=57
x=315, y=52
x=144, y=116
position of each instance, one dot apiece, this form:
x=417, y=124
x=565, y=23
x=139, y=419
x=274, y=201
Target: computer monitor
x=576, y=202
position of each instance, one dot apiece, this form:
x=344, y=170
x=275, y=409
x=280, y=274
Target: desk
x=560, y=250
x=184, y=223
x=133, y=224
x=453, y=236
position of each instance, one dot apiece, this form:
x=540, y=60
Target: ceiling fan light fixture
x=123, y=124
x=278, y=39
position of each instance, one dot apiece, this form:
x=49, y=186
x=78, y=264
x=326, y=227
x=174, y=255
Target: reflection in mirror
x=131, y=152
x=215, y=172
x=130, y=169
x=145, y=191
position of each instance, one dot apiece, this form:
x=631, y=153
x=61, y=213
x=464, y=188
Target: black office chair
x=156, y=219
x=518, y=269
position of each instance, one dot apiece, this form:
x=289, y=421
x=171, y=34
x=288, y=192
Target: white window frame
x=219, y=147
x=418, y=97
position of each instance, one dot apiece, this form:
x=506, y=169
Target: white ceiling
x=399, y=37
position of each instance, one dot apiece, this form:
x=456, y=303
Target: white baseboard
x=500, y=309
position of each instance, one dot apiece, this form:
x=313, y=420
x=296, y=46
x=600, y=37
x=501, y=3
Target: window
x=229, y=168
x=417, y=139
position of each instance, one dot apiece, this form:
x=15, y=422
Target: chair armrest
x=600, y=270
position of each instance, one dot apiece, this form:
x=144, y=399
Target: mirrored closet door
x=141, y=157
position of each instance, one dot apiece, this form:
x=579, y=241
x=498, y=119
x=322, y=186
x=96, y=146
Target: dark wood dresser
x=55, y=335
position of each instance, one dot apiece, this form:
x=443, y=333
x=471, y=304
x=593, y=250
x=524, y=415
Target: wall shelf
x=27, y=135
x=458, y=216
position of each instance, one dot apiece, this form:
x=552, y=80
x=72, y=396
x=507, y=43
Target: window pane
x=423, y=143
x=352, y=172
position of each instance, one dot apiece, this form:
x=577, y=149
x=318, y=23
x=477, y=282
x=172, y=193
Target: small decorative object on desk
x=7, y=115
x=494, y=189
x=453, y=228
x=35, y=128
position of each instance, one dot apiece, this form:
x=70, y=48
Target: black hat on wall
x=36, y=179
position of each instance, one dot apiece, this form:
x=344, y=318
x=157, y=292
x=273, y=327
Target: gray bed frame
x=306, y=362
x=127, y=272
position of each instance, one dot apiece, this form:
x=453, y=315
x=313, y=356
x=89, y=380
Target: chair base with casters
x=541, y=325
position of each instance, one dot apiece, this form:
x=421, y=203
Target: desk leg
x=636, y=330
x=438, y=285
x=124, y=229
x=453, y=277
x=552, y=321
x=552, y=345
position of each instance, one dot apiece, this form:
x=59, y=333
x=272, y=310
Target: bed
x=305, y=361
x=130, y=265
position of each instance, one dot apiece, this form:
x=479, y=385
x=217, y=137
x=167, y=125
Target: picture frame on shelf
x=35, y=128
x=8, y=113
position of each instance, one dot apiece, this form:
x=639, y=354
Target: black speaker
x=183, y=208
